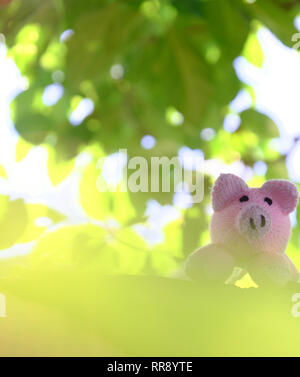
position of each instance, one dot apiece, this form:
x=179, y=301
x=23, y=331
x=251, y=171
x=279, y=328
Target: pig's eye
x=269, y=201
x=244, y=198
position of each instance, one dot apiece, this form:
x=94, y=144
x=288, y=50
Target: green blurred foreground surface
x=138, y=316
x=155, y=67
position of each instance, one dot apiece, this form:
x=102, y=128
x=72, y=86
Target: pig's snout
x=254, y=222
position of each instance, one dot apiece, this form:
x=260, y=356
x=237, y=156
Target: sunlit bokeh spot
x=209, y=209
x=66, y=35
x=183, y=200
x=113, y=168
x=260, y=168
x=190, y=159
x=208, y=134
x=117, y=72
x=83, y=110
x=58, y=76
x=161, y=215
x=174, y=117
x=52, y=94
x=148, y=142
x=293, y=218
x=297, y=22
x=212, y=54
x=241, y=102
x=43, y=222
x=83, y=160
x=17, y=250
x=231, y=122
x=293, y=164
x=153, y=235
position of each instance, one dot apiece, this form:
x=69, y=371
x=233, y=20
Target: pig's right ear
x=227, y=188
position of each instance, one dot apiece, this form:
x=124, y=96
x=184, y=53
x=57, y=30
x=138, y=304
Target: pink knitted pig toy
x=250, y=229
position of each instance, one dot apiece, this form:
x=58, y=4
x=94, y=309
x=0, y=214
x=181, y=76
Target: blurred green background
x=82, y=80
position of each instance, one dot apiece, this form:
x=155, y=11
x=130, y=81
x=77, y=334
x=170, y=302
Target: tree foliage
x=155, y=67
x=141, y=63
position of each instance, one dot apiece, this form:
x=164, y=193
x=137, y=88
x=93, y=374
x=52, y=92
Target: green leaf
x=95, y=203
x=253, y=51
x=92, y=247
x=34, y=229
x=58, y=170
x=13, y=221
x=99, y=202
x=22, y=149
x=258, y=123
x=228, y=25
x=69, y=246
x=278, y=19
x=2, y=172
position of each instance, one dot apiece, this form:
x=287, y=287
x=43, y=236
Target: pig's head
x=252, y=219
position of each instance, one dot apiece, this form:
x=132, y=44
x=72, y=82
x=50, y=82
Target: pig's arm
x=268, y=268
x=294, y=271
x=211, y=262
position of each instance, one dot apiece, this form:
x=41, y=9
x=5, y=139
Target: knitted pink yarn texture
x=250, y=228
x=231, y=222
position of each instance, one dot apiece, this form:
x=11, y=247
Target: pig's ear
x=227, y=188
x=284, y=193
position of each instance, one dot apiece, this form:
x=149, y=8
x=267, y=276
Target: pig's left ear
x=284, y=193
x=227, y=188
